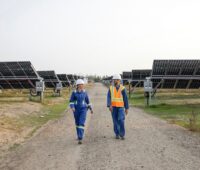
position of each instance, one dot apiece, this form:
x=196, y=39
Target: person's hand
x=91, y=112
x=73, y=110
x=110, y=108
x=126, y=111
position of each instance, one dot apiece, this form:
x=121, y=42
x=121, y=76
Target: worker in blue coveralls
x=117, y=102
x=79, y=103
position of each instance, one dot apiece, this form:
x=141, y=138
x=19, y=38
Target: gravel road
x=151, y=144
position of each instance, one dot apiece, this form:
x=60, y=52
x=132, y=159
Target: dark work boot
x=79, y=142
x=116, y=137
x=122, y=138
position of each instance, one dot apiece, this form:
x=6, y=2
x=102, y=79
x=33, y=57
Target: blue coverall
x=118, y=113
x=80, y=102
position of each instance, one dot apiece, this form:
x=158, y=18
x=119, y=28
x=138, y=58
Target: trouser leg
x=76, y=121
x=121, y=121
x=81, y=124
x=122, y=128
x=115, y=121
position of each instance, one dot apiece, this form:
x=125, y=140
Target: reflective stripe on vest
x=116, y=96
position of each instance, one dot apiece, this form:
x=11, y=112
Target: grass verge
x=178, y=107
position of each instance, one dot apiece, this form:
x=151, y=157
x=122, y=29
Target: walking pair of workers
x=117, y=103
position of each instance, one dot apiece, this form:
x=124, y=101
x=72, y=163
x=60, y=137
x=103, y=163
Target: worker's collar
x=80, y=90
x=117, y=85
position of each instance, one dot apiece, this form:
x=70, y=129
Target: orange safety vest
x=116, y=96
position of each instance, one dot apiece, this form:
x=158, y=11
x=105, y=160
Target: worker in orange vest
x=117, y=102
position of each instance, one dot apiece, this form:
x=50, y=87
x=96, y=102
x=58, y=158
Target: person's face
x=116, y=82
x=80, y=87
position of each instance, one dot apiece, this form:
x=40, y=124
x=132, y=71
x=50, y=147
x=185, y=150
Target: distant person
x=79, y=103
x=117, y=102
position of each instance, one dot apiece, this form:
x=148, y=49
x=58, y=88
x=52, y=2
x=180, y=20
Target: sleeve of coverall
x=108, y=99
x=72, y=100
x=87, y=100
x=125, y=98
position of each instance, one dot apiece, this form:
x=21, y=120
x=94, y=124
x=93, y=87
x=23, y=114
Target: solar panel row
x=64, y=79
x=22, y=75
x=136, y=77
x=180, y=74
x=183, y=74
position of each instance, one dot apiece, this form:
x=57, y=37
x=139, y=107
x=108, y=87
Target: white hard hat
x=116, y=77
x=80, y=81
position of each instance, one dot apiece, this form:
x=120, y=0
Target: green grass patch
x=49, y=113
x=37, y=121
x=177, y=108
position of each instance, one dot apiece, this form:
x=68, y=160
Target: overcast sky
x=98, y=36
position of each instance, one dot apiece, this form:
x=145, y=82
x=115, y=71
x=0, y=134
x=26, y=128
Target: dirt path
x=151, y=144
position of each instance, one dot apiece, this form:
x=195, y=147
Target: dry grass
x=20, y=118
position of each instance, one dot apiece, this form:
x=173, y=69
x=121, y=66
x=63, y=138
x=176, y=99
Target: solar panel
x=138, y=77
x=50, y=78
x=168, y=84
x=80, y=77
x=76, y=77
x=140, y=74
x=195, y=84
x=71, y=78
x=107, y=78
x=18, y=75
x=64, y=79
x=181, y=74
x=126, y=77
